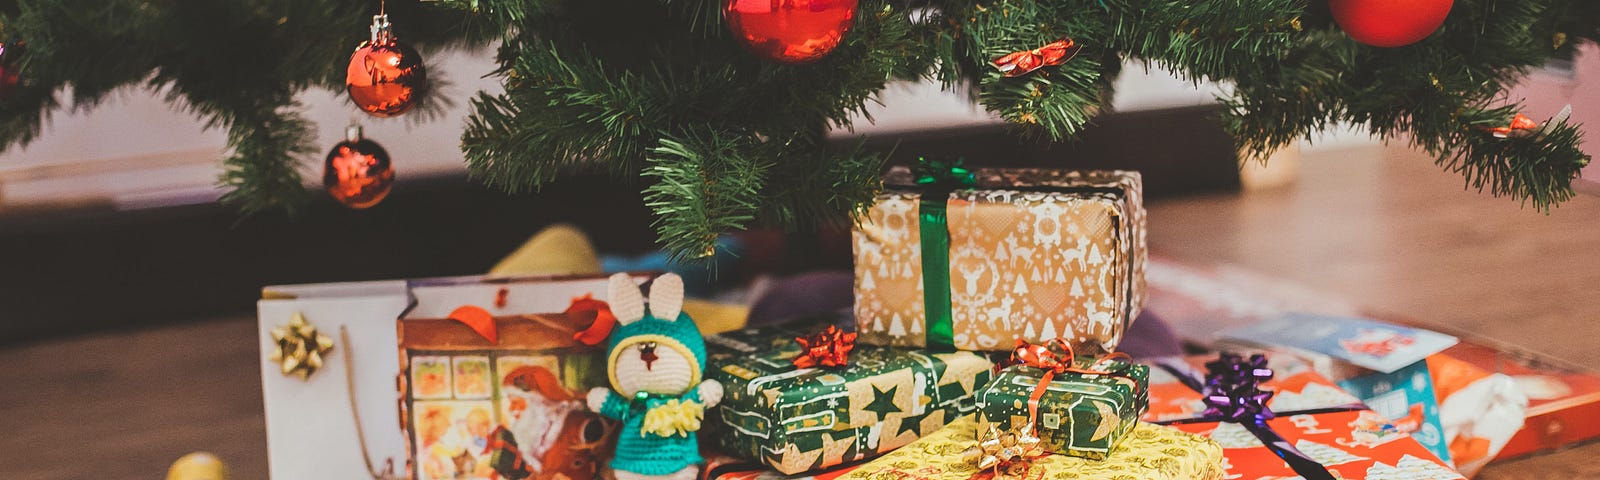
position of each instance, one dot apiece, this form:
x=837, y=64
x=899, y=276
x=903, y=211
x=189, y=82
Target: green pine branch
x=659, y=93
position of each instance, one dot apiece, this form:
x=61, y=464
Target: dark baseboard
x=74, y=272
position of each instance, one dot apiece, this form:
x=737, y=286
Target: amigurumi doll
x=656, y=360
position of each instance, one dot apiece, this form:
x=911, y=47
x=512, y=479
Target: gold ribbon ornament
x=299, y=347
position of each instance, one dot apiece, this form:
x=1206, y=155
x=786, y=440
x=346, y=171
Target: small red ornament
x=790, y=31
x=1389, y=23
x=1016, y=64
x=10, y=74
x=357, y=172
x=384, y=76
x=828, y=348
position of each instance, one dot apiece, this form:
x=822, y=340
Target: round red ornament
x=790, y=31
x=10, y=74
x=384, y=76
x=357, y=172
x=1389, y=23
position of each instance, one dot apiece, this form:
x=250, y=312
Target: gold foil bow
x=1005, y=455
x=299, y=347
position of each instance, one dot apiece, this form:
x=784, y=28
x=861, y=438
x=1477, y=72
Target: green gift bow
x=938, y=177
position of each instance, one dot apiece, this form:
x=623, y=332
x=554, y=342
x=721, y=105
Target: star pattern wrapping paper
x=806, y=419
x=1352, y=444
x=1033, y=254
x=1150, y=452
x=1081, y=415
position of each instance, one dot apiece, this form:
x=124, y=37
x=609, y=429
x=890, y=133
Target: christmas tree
x=722, y=121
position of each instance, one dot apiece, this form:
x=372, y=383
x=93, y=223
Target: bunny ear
x=626, y=301
x=666, y=297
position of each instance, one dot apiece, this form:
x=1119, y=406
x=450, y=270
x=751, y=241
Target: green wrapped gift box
x=1082, y=415
x=803, y=419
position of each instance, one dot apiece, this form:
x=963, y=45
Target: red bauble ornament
x=10, y=73
x=790, y=31
x=1389, y=23
x=384, y=76
x=357, y=172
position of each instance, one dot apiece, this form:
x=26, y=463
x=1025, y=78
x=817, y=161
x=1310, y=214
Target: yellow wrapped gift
x=1151, y=452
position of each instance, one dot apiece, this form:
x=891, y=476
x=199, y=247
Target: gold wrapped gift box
x=1151, y=452
x=1034, y=254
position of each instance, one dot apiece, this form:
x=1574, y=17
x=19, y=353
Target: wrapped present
x=1479, y=381
x=1296, y=425
x=1078, y=410
x=975, y=260
x=1481, y=411
x=798, y=419
x=1381, y=363
x=1150, y=452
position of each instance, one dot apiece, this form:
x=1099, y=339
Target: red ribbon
x=1520, y=122
x=1054, y=357
x=829, y=348
x=1021, y=63
x=479, y=320
x=604, y=320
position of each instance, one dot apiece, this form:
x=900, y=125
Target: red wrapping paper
x=1353, y=444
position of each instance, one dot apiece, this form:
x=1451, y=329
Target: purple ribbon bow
x=1232, y=391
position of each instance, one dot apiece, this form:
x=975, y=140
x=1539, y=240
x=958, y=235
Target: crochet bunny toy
x=656, y=359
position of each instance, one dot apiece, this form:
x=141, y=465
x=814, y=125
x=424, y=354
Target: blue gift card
x=1365, y=343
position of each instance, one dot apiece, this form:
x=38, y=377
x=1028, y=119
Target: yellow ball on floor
x=198, y=466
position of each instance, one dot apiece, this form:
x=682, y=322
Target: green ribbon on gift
x=938, y=177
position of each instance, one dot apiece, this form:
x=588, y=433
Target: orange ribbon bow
x=829, y=348
x=1021, y=63
x=604, y=321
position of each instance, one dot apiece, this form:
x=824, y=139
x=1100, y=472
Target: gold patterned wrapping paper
x=1151, y=452
x=1034, y=254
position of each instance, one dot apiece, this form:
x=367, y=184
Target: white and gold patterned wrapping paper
x=1058, y=254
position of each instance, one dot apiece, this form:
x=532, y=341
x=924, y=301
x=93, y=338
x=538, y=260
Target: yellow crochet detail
x=673, y=418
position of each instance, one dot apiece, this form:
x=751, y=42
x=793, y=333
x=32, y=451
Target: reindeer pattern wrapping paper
x=1040, y=255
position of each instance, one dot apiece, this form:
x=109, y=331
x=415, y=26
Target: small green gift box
x=805, y=419
x=1079, y=414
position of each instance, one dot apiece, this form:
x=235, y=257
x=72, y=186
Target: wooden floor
x=1382, y=227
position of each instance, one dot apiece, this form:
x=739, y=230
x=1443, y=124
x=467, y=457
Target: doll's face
x=653, y=364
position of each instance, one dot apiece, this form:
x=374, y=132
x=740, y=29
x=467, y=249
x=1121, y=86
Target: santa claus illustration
x=545, y=435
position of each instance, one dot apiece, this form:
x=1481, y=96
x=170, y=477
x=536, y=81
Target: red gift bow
x=829, y=348
x=1016, y=64
x=1054, y=362
x=1520, y=122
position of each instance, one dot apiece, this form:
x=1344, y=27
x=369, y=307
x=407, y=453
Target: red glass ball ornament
x=357, y=172
x=10, y=74
x=790, y=31
x=385, y=76
x=1389, y=23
